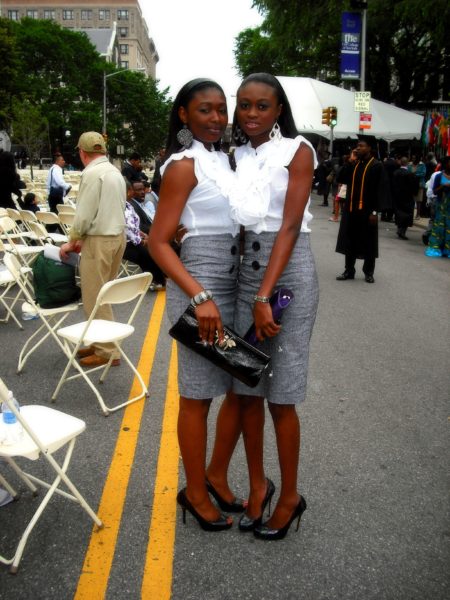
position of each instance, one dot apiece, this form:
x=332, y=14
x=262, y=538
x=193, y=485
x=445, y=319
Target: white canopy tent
x=308, y=97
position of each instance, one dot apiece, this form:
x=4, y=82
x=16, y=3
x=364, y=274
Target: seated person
x=29, y=202
x=150, y=200
x=136, y=250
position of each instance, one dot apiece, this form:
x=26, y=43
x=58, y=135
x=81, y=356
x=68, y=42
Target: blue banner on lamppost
x=351, y=45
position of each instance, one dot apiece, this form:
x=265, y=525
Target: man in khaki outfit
x=99, y=231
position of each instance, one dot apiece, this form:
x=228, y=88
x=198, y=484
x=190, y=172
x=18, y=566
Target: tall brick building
x=136, y=48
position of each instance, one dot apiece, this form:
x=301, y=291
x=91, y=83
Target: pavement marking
x=94, y=576
x=157, y=580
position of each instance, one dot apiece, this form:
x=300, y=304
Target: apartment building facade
x=136, y=49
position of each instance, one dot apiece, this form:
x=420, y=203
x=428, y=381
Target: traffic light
x=333, y=116
x=326, y=116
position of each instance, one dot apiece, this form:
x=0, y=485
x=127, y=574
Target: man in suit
x=138, y=225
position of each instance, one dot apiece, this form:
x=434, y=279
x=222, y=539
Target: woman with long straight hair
x=274, y=167
x=195, y=179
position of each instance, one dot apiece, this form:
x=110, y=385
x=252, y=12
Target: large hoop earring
x=185, y=137
x=239, y=135
x=275, y=133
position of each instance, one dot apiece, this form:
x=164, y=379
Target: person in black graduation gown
x=367, y=195
x=404, y=186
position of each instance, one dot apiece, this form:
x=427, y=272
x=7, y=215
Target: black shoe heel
x=263, y=532
x=247, y=523
x=237, y=506
x=219, y=525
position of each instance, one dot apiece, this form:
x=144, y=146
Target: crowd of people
x=407, y=191
x=227, y=231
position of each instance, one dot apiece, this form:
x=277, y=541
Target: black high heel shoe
x=238, y=505
x=266, y=533
x=219, y=525
x=246, y=523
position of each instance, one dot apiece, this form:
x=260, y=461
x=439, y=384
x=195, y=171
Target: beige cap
x=91, y=141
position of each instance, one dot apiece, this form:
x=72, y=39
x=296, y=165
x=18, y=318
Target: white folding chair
x=128, y=268
x=45, y=431
x=66, y=219
x=50, y=318
x=14, y=241
x=44, y=237
x=7, y=285
x=100, y=331
x=50, y=218
x=65, y=209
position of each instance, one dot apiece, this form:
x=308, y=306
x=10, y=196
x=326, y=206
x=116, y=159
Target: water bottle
x=12, y=429
x=29, y=312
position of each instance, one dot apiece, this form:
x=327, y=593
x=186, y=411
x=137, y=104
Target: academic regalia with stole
x=367, y=191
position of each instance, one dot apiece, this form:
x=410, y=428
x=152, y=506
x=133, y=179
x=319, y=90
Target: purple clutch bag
x=279, y=301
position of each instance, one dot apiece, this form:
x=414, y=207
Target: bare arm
x=301, y=170
x=177, y=183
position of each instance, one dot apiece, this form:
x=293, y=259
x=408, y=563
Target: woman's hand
x=209, y=321
x=265, y=326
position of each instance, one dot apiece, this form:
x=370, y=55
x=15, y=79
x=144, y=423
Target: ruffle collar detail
x=213, y=164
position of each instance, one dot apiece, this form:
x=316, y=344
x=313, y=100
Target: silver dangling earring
x=185, y=137
x=275, y=133
x=239, y=135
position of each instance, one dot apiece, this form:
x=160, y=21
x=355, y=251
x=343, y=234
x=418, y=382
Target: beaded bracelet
x=263, y=299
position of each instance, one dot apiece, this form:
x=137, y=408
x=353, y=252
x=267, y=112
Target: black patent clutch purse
x=234, y=355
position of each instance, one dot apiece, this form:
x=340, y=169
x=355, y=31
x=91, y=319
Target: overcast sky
x=195, y=38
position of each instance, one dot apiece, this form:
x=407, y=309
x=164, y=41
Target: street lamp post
x=105, y=77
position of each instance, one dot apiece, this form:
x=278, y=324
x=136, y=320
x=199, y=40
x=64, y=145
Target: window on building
x=123, y=31
x=124, y=64
x=13, y=15
x=122, y=15
x=123, y=48
x=49, y=14
x=67, y=15
x=33, y=14
x=86, y=15
x=103, y=15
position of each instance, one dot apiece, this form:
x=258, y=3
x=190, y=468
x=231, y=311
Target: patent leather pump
x=247, y=523
x=266, y=533
x=219, y=525
x=238, y=505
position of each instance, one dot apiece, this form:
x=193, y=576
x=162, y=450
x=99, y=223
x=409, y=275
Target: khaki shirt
x=100, y=202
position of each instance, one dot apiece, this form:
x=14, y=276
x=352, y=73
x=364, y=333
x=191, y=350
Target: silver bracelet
x=201, y=297
x=263, y=299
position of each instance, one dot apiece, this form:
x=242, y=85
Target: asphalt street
x=374, y=458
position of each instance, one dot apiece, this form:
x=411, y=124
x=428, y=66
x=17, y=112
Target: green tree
x=59, y=71
x=408, y=46
x=30, y=129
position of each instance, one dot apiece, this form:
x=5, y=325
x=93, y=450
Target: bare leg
x=287, y=431
x=192, y=437
x=252, y=420
x=228, y=430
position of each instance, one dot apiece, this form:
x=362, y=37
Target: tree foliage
x=59, y=73
x=30, y=128
x=408, y=46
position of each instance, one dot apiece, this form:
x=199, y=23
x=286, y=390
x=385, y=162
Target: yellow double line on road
x=157, y=579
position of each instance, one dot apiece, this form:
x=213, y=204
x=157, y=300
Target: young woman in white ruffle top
x=274, y=167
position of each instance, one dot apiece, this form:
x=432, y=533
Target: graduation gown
x=367, y=191
x=404, y=187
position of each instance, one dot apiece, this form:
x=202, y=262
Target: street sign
x=365, y=121
x=362, y=101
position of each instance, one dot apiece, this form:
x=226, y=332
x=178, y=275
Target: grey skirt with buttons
x=285, y=379
x=213, y=261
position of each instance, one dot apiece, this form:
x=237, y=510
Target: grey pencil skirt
x=285, y=379
x=213, y=261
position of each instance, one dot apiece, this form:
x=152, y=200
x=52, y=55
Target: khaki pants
x=100, y=261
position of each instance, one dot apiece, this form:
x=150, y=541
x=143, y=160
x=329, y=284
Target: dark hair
x=134, y=156
x=27, y=200
x=285, y=120
x=183, y=98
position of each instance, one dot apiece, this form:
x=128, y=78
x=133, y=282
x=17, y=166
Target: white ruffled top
x=257, y=202
x=207, y=210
